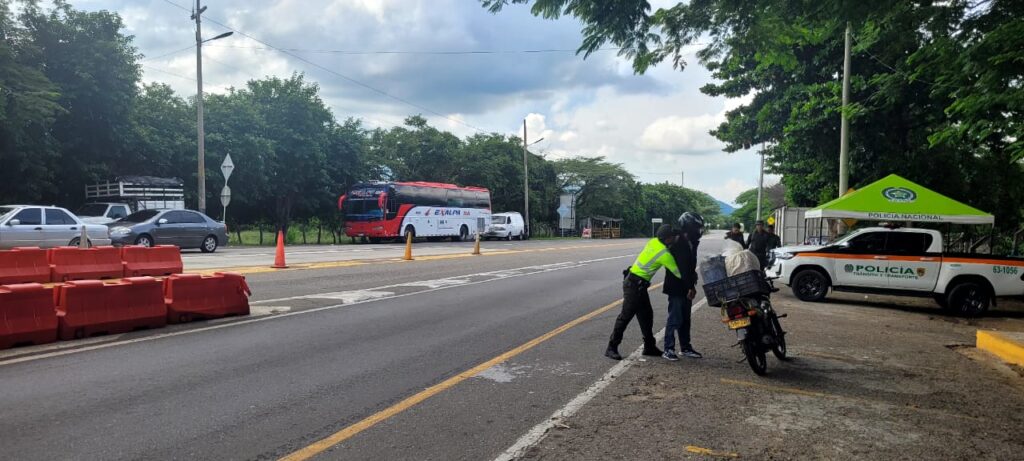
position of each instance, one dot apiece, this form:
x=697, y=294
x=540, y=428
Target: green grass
x=251, y=237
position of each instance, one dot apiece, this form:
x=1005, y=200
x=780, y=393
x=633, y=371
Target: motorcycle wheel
x=779, y=349
x=755, y=357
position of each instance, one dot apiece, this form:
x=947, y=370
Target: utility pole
x=760, y=185
x=200, y=135
x=682, y=179
x=844, y=129
x=526, y=185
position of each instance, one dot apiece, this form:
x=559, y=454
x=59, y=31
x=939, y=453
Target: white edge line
x=540, y=431
x=58, y=353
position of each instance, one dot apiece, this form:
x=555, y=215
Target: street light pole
x=844, y=128
x=760, y=185
x=526, y=185
x=200, y=136
x=200, y=132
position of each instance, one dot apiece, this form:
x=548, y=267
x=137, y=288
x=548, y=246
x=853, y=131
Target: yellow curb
x=1007, y=346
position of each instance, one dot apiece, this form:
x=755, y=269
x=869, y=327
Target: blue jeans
x=678, y=320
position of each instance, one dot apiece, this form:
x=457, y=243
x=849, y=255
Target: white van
x=507, y=226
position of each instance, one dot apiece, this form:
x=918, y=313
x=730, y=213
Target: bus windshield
x=362, y=204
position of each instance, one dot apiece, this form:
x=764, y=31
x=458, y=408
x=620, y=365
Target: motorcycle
x=757, y=328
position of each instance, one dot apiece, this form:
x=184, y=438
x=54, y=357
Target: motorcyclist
x=682, y=290
x=636, y=301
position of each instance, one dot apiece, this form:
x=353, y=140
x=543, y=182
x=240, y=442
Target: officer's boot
x=651, y=348
x=612, y=352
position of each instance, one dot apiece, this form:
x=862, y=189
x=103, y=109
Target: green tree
x=162, y=136
x=774, y=196
x=414, y=152
x=936, y=85
x=28, y=108
x=94, y=67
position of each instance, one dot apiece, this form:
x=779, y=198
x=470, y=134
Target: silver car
x=45, y=227
x=184, y=228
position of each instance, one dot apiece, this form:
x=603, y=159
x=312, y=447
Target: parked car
x=102, y=213
x=507, y=226
x=45, y=227
x=184, y=228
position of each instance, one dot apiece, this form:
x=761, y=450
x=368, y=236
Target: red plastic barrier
x=24, y=265
x=90, y=307
x=71, y=263
x=193, y=296
x=154, y=261
x=26, y=315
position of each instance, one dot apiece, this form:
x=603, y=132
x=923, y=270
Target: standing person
x=682, y=290
x=736, y=235
x=757, y=243
x=775, y=241
x=635, y=299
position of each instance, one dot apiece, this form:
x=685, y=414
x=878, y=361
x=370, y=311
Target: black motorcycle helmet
x=692, y=224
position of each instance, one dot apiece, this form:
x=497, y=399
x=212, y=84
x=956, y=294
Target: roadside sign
x=226, y=168
x=657, y=220
x=771, y=220
x=225, y=196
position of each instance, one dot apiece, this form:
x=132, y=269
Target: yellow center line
x=350, y=431
x=709, y=452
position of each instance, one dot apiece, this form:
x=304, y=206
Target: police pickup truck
x=899, y=262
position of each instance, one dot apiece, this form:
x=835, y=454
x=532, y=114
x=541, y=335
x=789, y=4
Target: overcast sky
x=655, y=125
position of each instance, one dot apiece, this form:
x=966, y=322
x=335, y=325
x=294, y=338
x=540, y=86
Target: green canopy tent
x=893, y=198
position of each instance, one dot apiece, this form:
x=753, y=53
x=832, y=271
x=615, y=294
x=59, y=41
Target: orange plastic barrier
x=193, y=296
x=26, y=315
x=71, y=263
x=154, y=261
x=24, y=265
x=90, y=307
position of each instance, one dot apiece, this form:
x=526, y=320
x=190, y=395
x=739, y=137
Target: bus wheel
x=409, y=230
x=463, y=234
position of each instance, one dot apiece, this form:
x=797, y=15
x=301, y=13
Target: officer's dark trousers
x=635, y=302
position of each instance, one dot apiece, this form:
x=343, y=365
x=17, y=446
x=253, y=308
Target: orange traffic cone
x=279, y=257
x=408, y=247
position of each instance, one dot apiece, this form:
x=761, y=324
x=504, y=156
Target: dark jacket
x=736, y=237
x=685, y=254
x=758, y=242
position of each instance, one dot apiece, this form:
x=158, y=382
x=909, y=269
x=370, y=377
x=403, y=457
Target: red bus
x=388, y=210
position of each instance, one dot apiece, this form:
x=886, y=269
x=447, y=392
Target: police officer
x=758, y=243
x=635, y=299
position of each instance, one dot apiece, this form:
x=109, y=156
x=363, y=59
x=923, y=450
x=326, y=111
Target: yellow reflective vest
x=655, y=256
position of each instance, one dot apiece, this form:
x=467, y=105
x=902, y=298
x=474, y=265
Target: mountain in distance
x=725, y=208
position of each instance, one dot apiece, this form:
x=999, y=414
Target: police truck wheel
x=969, y=299
x=810, y=285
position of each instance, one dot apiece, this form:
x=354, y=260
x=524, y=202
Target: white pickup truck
x=901, y=262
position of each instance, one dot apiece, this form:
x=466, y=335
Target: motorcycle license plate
x=739, y=323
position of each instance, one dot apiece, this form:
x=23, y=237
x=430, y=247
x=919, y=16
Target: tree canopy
x=936, y=87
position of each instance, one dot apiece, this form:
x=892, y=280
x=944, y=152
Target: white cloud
x=682, y=134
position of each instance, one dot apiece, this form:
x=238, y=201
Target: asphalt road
x=328, y=348
x=453, y=356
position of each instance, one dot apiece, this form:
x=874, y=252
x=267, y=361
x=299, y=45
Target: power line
x=169, y=53
x=162, y=71
x=900, y=72
x=338, y=74
x=398, y=52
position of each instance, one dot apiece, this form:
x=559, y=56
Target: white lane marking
x=436, y=283
x=454, y=281
x=257, y=311
x=538, y=432
x=247, y=321
x=351, y=297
